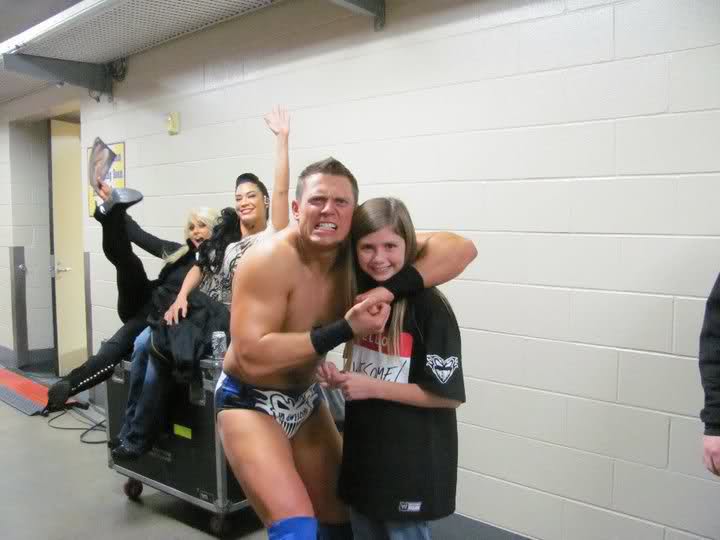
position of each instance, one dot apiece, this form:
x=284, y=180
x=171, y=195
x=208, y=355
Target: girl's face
x=199, y=231
x=381, y=254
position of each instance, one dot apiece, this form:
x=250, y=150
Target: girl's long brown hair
x=370, y=217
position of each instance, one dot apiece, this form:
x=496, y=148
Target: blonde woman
x=135, y=290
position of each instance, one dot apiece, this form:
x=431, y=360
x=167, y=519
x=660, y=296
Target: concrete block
x=509, y=505
x=555, y=469
x=686, y=448
x=688, y=317
x=655, y=26
x=529, y=413
x=660, y=382
x=667, y=498
x=591, y=523
x=695, y=79
x=617, y=431
x=678, y=143
x=622, y=320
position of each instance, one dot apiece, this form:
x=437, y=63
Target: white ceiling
x=100, y=31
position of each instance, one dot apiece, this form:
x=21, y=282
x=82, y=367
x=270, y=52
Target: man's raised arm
x=443, y=256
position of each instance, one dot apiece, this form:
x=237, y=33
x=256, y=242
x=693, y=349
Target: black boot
x=120, y=198
x=83, y=377
x=58, y=394
x=123, y=452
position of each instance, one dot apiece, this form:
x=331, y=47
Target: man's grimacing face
x=324, y=212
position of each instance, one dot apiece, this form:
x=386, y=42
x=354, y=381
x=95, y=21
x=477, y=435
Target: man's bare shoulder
x=278, y=253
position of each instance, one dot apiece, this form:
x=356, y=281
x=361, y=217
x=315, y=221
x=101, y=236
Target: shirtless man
x=288, y=310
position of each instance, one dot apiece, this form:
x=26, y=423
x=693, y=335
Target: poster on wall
x=106, y=161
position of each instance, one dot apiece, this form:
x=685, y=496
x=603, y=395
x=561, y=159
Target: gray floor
x=56, y=488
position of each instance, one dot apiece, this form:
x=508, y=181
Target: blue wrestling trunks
x=288, y=407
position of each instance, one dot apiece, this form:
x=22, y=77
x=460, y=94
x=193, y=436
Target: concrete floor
x=56, y=488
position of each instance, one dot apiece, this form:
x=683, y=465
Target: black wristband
x=406, y=282
x=712, y=430
x=328, y=337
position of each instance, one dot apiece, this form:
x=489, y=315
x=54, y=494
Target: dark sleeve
x=146, y=241
x=441, y=372
x=710, y=361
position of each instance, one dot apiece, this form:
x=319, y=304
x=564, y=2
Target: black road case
x=187, y=461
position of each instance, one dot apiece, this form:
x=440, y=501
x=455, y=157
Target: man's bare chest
x=312, y=304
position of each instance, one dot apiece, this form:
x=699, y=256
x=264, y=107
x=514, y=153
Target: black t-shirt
x=399, y=461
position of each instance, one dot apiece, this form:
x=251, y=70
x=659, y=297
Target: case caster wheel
x=218, y=525
x=133, y=489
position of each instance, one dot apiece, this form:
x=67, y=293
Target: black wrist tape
x=406, y=282
x=328, y=337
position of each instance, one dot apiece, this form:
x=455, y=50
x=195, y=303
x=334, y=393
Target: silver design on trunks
x=289, y=412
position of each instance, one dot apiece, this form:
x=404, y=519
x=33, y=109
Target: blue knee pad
x=332, y=531
x=294, y=528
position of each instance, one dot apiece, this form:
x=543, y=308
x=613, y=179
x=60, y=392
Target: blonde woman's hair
x=369, y=217
x=208, y=216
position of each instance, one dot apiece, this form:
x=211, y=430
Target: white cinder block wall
x=6, y=332
x=575, y=141
x=29, y=156
x=24, y=207
x=24, y=221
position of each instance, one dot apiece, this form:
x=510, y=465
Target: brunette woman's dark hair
x=212, y=251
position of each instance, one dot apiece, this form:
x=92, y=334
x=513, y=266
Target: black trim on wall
x=18, y=306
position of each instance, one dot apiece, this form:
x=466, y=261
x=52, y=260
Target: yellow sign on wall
x=115, y=175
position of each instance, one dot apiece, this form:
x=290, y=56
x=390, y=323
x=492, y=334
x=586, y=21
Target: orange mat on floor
x=24, y=387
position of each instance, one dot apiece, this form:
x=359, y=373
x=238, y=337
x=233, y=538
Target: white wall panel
x=636, y=205
x=669, y=498
x=556, y=469
x=617, y=431
x=6, y=337
x=556, y=366
x=695, y=196
x=688, y=317
x=622, y=320
x=681, y=143
x=529, y=413
x=510, y=506
x=671, y=534
x=660, y=382
x=695, y=79
x=530, y=311
x=655, y=26
x=590, y=523
x=686, y=448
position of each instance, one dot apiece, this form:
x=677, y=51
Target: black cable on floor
x=97, y=426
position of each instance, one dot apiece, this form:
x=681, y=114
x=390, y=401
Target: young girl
x=399, y=465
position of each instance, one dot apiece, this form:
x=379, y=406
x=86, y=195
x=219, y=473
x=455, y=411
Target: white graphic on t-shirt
x=410, y=506
x=443, y=368
x=289, y=412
